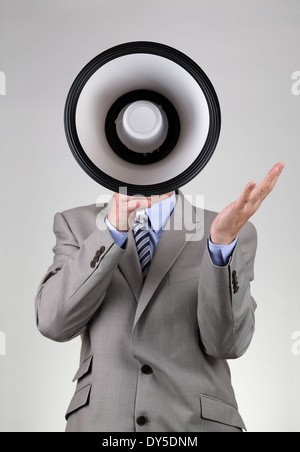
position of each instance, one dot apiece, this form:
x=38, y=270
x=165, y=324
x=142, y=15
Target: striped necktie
x=142, y=241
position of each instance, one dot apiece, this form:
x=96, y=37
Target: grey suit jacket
x=153, y=355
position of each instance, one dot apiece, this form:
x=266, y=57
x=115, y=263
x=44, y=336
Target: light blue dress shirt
x=159, y=215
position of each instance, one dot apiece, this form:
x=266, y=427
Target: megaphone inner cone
x=142, y=126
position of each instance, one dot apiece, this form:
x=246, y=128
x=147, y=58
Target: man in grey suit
x=155, y=338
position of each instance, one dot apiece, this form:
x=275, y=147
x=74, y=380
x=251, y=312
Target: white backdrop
x=250, y=50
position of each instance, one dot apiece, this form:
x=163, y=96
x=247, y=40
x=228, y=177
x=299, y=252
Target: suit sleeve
x=225, y=305
x=72, y=290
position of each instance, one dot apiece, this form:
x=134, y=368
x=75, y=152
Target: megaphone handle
x=141, y=216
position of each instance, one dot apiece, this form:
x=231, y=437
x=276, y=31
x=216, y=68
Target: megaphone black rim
x=187, y=64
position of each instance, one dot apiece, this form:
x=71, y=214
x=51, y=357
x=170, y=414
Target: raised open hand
x=229, y=222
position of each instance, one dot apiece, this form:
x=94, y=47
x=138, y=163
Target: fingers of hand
x=133, y=205
x=269, y=182
x=254, y=195
x=278, y=167
x=137, y=203
x=246, y=195
x=119, y=197
x=130, y=203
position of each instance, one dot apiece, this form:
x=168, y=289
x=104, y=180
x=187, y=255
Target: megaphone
x=144, y=116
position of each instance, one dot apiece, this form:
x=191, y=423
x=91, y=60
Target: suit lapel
x=178, y=231
x=130, y=264
x=131, y=269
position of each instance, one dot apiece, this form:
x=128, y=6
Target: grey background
x=249, y=49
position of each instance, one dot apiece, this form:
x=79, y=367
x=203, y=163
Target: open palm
x=229, y=222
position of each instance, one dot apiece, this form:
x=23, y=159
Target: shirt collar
x=160, y=212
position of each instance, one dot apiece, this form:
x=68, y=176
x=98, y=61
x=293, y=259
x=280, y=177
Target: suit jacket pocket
x=80, y=399
x=81, y=396
x=219, y=411
x=84, y=368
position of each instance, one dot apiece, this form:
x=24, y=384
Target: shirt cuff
x=220, y=254
x=118, y=237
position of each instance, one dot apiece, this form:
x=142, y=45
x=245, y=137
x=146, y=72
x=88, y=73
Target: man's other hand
x=229, y=222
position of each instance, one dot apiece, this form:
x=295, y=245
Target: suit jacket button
x=98, y=253
x=93, y=264
x=234, y=274
x=141, y=420
x=147, y=370
x=236, y=289
x=102, y=249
